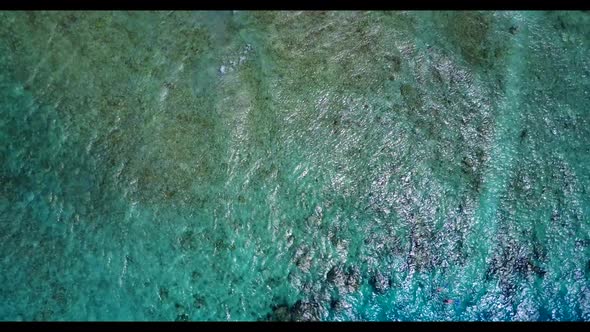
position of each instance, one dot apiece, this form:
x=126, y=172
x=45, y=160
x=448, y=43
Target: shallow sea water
x=295, y=166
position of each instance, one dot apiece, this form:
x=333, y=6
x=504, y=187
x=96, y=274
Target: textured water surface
x=295, y=166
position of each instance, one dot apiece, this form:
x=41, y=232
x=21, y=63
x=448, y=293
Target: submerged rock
x=509, y=262
x=280, y=313
x=301, y=311
x=306, y=311
x=346, y=279
x=182, y=318
x=380, y=283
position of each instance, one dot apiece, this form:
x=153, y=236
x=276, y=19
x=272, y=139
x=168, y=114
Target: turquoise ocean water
x=335, y=166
